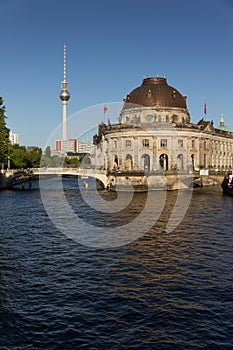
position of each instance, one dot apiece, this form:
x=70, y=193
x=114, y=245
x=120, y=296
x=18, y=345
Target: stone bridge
x=11, y=178
x=100, y=175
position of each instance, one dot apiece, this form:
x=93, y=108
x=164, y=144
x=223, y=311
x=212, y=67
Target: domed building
x=155, y=134
x=222, y=125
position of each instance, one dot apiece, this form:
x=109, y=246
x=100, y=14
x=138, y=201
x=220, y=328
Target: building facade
x=86, y=147
x=64, y=146
x=155, y=133
x=14, y=138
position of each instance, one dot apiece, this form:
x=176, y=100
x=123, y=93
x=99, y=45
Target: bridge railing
x=62, y=170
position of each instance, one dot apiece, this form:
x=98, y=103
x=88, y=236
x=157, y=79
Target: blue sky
x=110, y=46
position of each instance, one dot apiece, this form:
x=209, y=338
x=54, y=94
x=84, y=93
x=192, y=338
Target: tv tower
x=64, y=96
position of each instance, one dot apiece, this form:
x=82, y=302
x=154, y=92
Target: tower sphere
x=64, y=95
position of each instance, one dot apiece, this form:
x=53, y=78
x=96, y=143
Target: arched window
x=163, y=161
x=175, y=118
x=192, y=161
x=128, y=162
x=146, y=162
x=115, y=161
x=180, y=162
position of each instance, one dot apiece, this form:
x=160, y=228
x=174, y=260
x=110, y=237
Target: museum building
x=155, y=134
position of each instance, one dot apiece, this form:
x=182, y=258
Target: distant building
x=56, y=153
x=68, y=146
x=86, y=147
x=32, y=148
x=65, y=146
x=14, y=138
x=58, y=145
x=75, y=146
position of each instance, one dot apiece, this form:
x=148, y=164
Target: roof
x=155, y=92
x=222, y=125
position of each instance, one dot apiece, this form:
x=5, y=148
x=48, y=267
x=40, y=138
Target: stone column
x=135, y=153
x=154, y=165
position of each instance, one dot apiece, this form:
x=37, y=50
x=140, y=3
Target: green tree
x=48, y=152
x=18, y=156
x=4, y=135
x=33, y=158
x=75, y=162
x=85, y=160
x=21, y=158
x=45, y=161
x=57, y=161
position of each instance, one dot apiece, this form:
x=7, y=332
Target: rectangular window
x=163, y=143
x=180, y=143
x=115, y=144
x=193, y=143
x=128, y=143
x=145, y=143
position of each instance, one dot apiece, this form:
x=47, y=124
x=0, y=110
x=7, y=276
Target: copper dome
x=155, y=92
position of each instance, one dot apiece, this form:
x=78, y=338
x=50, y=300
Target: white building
x=155, y=133
x=69, y=146
x=86, y=147
x=14, y=138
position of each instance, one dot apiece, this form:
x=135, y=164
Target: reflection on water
x=161, y=291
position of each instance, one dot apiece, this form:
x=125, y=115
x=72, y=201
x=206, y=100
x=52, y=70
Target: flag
x=105, y=109
x=205, y=109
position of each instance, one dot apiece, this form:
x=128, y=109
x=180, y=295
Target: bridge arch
x=96, y=174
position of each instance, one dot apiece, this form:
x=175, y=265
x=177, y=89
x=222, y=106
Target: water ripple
x=163, y=291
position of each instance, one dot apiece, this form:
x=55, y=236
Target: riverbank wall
x=137, y=181
x=140, y=181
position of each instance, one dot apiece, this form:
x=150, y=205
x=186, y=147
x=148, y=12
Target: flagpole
x=205, y=110
x=105, y=111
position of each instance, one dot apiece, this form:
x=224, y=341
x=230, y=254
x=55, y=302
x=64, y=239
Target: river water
x=163, y=290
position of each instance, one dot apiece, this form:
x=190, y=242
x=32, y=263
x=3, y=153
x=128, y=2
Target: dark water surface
x=162, y=291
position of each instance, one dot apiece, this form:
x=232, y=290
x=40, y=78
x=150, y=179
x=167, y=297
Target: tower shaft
x=64, y=118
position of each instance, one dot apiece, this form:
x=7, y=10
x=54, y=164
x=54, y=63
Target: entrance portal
x=163, y=161
x=146, y=162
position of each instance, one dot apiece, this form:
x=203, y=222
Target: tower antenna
x=64, y=66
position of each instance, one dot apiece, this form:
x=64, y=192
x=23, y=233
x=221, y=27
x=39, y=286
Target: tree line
x=18, y=157
x=15, y=156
